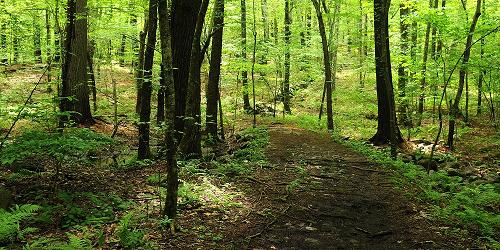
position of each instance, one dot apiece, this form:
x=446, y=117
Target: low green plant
x=129, y=235
x=10, y=222
x=52, y=243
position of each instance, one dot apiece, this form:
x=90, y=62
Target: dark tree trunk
x=139, y=72
x=48, y=51
x=215, y=65
x=4, y=60
x=244, y=73
x=184, y=16
x=169, y=144
x=403, y=63
x=75, y=91
x=327, y=64
x=190, y=145
x=423, y=82
x=123, y=47
x=481, y=75
x=57, y=36
x=146, y=88
x=286, y=82
x=90, y=63
x=387, y=131
x=463, y=71
x=160, y=113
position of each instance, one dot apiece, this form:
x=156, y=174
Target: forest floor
x=317, y=194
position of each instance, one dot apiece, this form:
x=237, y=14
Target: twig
x=269, y=224
x=367, y=169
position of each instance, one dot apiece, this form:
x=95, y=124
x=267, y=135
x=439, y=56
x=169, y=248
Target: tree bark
x=190, y=145
x=215, y=65
x=184, y=16
x=387, y=130
x=244, y=73
x=75, y=91
x=423, y=82
x=139, y=72
x=463, y=71
x=403, y=63
x=169, y=143
x=286, y=82
x=327, y=64
x=146, y=88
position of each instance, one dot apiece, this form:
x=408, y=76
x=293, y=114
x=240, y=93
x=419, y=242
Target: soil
x=343, y=202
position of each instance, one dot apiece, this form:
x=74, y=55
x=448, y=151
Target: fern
x=73, y=243
x=10, y=222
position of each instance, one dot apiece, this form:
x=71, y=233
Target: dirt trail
x=343, y=202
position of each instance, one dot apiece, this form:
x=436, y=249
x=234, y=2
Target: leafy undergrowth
x=474, y=207
x=128, y=213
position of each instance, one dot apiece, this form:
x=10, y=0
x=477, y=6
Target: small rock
x=311, y=229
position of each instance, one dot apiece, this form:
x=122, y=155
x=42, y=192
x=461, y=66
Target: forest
x=249, y=124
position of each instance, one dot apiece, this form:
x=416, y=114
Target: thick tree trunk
x=327, y=64
x=75, y=91
x=387, y=131
x=215, y=65
x=169, y=143
x=190, y=145
x=90, y=63
x=184, y=16
x=146, y=88
x=463, y=71
x=286, y=82
x=244, y=73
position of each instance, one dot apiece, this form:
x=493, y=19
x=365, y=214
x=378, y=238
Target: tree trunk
x=90, y=63
x=75, y=91
x=160, y=112
x=123, y=47
x=244, y=73
x=48, y=52
x=169, y=144
x=215, y=65
x=387, y=131
x=327, y=64
x=184, y=16
x=57, y=36
x=286, y=82
x=139, y=72
x=423, y=81
x=4, y=60
x=37, y=39
x=190, y=145
x=463, y=71
x=403, y=63
x=146, y=88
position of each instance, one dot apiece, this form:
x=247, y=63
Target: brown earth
x=343, y=202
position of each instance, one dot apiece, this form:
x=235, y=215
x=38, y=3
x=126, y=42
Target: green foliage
x=87, y=208
x=73, y=144
x=10, y=222
x=129, y=235
x=49, y=243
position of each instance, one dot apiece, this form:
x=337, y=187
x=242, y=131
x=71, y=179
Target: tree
x=327, y=63
x=75, y=92
x=190, y=145
x=146, y=88
x=169, y=147
x=463, y=71
x=215, y=65
x=403, y=75
x=286, y=82
x=184, y=16
x=244, y=72
x=387, y=130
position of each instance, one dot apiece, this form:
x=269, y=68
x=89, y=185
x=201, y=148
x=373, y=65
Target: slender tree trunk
x=463, y=71
x=123, y=48
x=361, y=45
x=403, y=63
x=326, y=61
x=74, y=72
x=190, y=145
x=57, y=35
x=139, y=72
x=146, y=88
x=90, y=63
x=423, y=82
x=215, y=65
x=482, y=73
x=184, y=16
x=286, y=82
x=387, y=130
x=169, y=143
x=254, y=32
x=160, y=113
x=264, y=20
x=48, y=52
x=244, y=73
x=3, y=38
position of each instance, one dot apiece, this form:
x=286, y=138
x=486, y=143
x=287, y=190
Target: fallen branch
x=367, y=169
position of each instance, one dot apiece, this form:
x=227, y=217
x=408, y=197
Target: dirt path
x=342, y=202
